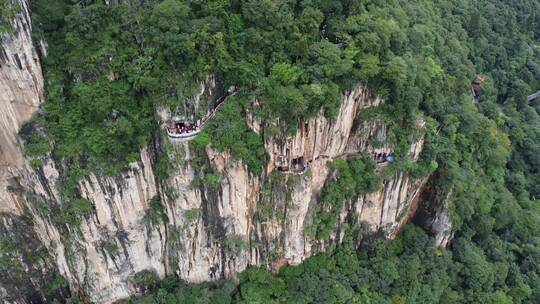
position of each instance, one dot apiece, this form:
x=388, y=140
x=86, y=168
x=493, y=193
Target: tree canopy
x=110, y=66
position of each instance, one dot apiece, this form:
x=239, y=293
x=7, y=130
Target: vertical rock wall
x=210, y=231
x=21, y=92
x=27, y=267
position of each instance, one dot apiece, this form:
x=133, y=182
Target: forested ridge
x=110, y=66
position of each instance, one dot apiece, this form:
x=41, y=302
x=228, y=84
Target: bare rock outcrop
x=21, y=92
x=207, y=231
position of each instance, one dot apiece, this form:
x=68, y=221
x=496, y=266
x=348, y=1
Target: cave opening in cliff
x=383, y=157
x=298, y=164
x=282, y=163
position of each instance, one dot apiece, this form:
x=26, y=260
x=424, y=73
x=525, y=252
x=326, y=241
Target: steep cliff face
x=26, y=267
x=187, y=225
x=209, y=231
x=434, y=215
x=113, y=242
x=222, y=229
x=442, y=225
x=21, y=87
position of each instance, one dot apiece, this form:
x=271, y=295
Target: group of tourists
x=181, y=129
x=383, y=157
x=184, y=127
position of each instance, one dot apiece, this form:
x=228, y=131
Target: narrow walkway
x=474, y=96
x=476, y=85
x=202, y=123
x=221, y=102
x=533, y=96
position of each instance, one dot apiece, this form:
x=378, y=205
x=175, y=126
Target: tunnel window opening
x=298, y=164
x=18, y=61
x=383, y=157
x=282, y=164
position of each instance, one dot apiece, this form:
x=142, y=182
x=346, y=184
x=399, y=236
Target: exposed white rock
x=442, y=224
x=324, y=137
x=21, y=92
x=213, y=228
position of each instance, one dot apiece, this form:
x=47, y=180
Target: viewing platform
x=297, y=165
x=182, y=129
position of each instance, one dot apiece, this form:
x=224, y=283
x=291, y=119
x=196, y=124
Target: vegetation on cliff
x=110, y=66
x=354, y=177
x=7, y=12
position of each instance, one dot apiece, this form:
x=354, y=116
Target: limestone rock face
x=328, y=138
x=21, y=92
x=29, y=267
x=211, y=230
x=442, y=225
x=210, y=218
x=115, y=241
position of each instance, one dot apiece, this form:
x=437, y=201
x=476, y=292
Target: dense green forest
x=109, y=67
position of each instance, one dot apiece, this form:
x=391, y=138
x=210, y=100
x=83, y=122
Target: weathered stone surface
x=442, y=225
x=21, y=92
